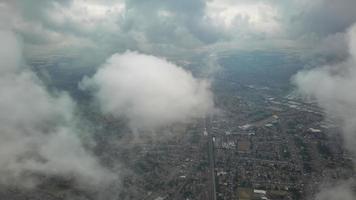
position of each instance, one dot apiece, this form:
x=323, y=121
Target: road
x=211, y=156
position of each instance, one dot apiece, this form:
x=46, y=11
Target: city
x=177, y=100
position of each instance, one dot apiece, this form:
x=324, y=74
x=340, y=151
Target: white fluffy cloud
x=333, y=87
x=38, y=133
x=151, y=92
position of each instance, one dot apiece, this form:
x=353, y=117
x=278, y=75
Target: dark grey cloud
x=327, y=17
x=159, y=27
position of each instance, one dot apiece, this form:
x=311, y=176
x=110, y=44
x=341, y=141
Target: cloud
x=244, y=18
x=11, y=55
x=335, y=45
x=39, y=135
x=325, y=17
x=151, y=92
x=93, y=30
x=333, y=87
x=343, y=191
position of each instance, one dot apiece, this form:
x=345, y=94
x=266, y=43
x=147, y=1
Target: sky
x=128, y=43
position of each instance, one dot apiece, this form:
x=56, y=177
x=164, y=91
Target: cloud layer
x=343, y=191
x=333, y=87
x=166, y=27
x=38, y=134
x=151, y=92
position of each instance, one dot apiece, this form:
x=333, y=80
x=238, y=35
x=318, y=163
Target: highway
x=211, y=158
